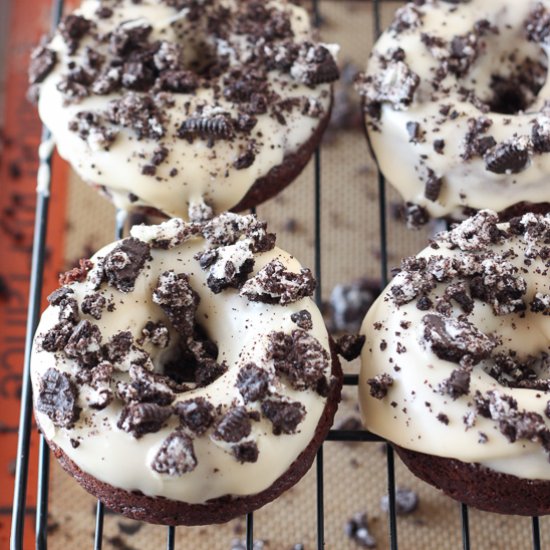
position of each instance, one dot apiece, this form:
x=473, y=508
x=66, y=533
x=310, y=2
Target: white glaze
x=465, y=183
x=204, y=174
x=414, y=425
x=239, y=327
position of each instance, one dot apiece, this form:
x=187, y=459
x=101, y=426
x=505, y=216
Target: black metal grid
x=23, y=448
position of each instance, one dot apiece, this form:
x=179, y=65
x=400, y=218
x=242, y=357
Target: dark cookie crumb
x=176, y=456
x=234, y=425
x=349, y=346
x=357, y=529
x=275, y=285
x=406, y=501
x=156, y=333
x=57, y=398
x=93, y=305
x=196, y=414
x=252, y=382
x=379, y=385
x=124, y=263
x=303, y=319
x=143, y=418
x=246, y=452
x=285, y=415
x=84, y=345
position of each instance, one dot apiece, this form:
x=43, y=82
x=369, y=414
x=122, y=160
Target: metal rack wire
x=23, y=449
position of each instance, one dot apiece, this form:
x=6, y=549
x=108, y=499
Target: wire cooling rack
x=23, y=449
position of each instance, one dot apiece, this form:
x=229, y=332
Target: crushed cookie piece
x=57, y=337
x=123, y=264
x=91, y=128
x=166, y=235
x=273, y=284
x=139, y=419
x=509, y=157
x=314, y=65
x=73, y=28
x=234, y=425
x=139, y=113
x=457, y=384
x=231, y=267
x=302, y=318
x=195, y=414
x=406, y=501
x=84, y=344
x=57, y=398
x=301, y=359
x=350, y=302
x=217, y=126
x=284, y=414
x=156, y=333
x=178, y=300
x=349, y=346
x=379, y=385
x=145, y=387
x=252, y=382
x=453, y=339
x=357, y=529
x=93, y=305
x=43, y=60
x=176, y=455
x=246, y=452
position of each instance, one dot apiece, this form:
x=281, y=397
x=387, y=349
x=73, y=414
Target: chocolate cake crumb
x=274, y=284
x=303, y=319
x=246, y=452
x=509, y=157
x=43, y=60
x=357, y=529
x=234, y=425
x=143, y=418
x=284, y=414
x=178, y=300
x=195, y=414
x=123, y=264
x=380, y=385
x=406, y=501
x=453, y=339
x=76, y=274
x=84, y=345
x=156, y=333
x=57, y=398
x=301, y=359
x=252, y=382
x=176, y=455
x=93, y=304
x=349, y=346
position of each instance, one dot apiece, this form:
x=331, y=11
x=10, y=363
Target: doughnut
x=177, y=104
x=458, y=92
x=183, y=375
x=456, y=365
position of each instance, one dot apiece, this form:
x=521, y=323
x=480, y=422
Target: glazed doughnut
x=455, y=369
x=183, y=375
x=170, y=104
x=458, y=92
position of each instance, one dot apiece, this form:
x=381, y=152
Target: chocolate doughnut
x=183, y=375
x=169, y=104
x=458, y=91
x=456, y=365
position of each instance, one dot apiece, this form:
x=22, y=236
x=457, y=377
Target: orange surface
x=18, y=165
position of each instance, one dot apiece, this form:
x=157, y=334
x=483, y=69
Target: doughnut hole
x=509, y=82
